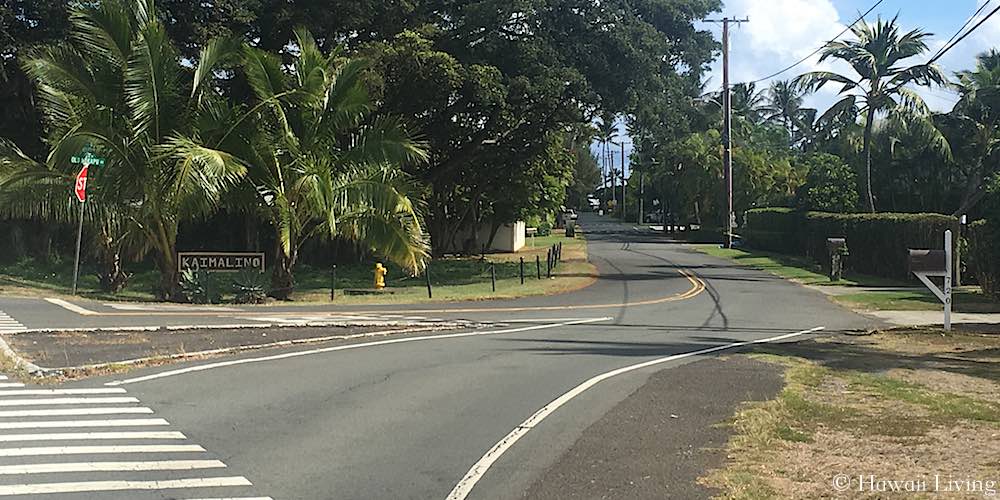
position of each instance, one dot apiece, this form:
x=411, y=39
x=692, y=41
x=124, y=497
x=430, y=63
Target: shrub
x=199, y=287
x=877, y=243
x=984, y=255
x=250, y=287
x=831, y=184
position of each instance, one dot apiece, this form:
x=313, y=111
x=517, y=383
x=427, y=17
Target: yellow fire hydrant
x=380, y=272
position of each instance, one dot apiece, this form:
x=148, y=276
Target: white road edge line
x=69, y=306
x=479, y=469
x=401, y=340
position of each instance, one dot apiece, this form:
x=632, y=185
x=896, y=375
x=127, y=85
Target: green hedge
x=984, y=255
x=877, y=243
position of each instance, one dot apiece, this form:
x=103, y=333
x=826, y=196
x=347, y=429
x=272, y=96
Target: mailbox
x=929, y=262
x=836, y=246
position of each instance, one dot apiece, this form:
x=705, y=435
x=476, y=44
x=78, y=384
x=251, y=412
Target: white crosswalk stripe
x=96, y=451
x=9, y=324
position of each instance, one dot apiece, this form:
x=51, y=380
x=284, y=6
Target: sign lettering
x=220, y=261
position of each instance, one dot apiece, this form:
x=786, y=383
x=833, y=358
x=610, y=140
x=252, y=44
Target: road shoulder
x=657, y=442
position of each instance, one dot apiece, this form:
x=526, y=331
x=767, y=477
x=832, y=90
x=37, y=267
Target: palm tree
x=607, y=132
x=747, y=102
x=33, y=190
x=978, y=111
x=120, y=85
x=880, y=84
x=322, y=166
x=784, y=106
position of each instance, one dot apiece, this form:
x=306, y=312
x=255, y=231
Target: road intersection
x=418, y=415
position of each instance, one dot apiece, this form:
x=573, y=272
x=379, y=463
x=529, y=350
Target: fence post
x=548, y=264
x=538, y=266
x=493, y=275
x=427, y=276
x=333, y=282
x=560, y=251
x=522, y=270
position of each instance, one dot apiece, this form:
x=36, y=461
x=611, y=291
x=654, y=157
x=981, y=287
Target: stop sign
x=81, y=184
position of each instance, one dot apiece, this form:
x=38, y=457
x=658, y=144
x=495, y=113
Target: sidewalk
x=964, y=320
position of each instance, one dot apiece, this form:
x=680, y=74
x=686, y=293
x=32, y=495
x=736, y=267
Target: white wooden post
x=947, y=280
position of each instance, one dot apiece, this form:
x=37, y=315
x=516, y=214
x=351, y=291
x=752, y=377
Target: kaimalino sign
x=220, y=261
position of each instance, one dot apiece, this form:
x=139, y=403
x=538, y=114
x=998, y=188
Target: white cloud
x=780, y=32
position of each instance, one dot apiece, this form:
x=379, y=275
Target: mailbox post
x=837, y=248
x=927, y=263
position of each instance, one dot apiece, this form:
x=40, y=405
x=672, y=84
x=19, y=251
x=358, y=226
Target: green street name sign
x=88, y=158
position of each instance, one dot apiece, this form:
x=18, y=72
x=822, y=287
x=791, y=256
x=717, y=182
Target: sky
x=781, y=32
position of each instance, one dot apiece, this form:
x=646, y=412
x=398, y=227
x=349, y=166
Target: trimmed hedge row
x=877, y=243
x=984, y=255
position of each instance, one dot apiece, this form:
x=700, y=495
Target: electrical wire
x=967, y=22
x=945, y=49
x=813, y=53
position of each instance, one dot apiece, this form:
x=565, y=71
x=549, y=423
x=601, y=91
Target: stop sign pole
x=87, y=158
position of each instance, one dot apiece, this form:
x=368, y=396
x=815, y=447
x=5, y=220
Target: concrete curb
x=21, y=363
x=242, y=326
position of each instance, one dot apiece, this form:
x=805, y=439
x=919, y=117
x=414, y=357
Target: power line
x=813, y=53
x=945, y=50
x=967, y=22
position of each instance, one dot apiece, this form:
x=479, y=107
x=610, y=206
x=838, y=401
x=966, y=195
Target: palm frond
x=216, y=52
x=104, y=30
x=151, y=80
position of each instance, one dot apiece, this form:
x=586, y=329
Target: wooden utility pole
x=623, y=180
x=727, y=128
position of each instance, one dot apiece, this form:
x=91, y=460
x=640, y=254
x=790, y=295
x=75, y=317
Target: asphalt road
x=409, y=419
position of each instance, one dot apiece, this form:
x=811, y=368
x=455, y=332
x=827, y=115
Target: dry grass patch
x=902, y=423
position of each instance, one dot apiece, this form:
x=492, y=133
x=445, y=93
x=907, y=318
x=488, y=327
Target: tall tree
x=120, y=85
x=607, y=132
x=784, y=106
x=880, y=83
x=978, y=112
x=322, y=165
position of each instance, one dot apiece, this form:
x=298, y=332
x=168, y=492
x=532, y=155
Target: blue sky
x=781, y=32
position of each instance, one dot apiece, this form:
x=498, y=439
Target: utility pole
x=623, y=180
x=642, y=195
x=727, y=128
x=611, y=174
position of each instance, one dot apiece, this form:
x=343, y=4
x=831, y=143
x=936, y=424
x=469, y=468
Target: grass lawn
x=451, y=278
x=897, y=405
x=799, y=269
x=966, y=299
x=807, y=272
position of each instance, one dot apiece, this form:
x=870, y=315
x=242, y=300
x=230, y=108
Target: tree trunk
x=112, y=276
x=282, y=277
x=168, y=287
x=866, y=174
x=166, y=262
